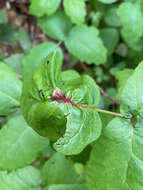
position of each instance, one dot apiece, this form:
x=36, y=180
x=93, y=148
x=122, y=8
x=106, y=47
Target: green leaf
x=132, y=24
x=42, y=7
x=3, y=16
x=111, y=17
x=107, y=1
x=27, y=178
x=117, y=158
x=56, y=26
x=59, y=170
x=75, y=9
x=10, y=90
x=19, y=144
x=131, y=94
x=15, y=61
x=36, y=55
x=110, y=37
x=88, y=126
x=67, y=187
x=52, y=105
x=85, y=44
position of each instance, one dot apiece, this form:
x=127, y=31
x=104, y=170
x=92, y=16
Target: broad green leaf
x=111, y=17
x=15, y=61
x=19, y=144
x=117, y=157
x=107, y=1
x=59, y=170
x=110, y=37
x=67, y=187
x=85, y=44
x=56, y=26
x=75, y=9
x=131, y=94
x=10, y=90
x=52, y=105
x=87, y=130
x=36, y=55
x=27, y=178
x=42, y=7
x=132, y=24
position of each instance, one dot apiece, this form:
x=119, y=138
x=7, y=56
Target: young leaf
x=84, y=43
x=19, y=144
x=56, y=26
x=52, y=105
x=117, y=157
x=132, y=24
x=10, y=90
x=59, y=170
x=68, y=187
x=75, y=9
x=36, y=55
x=27, y=178
x=42, y=7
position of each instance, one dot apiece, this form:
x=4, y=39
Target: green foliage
x=84, y=43
x=56, y=26
x=42, y=7
x=75, y=9
x=57, y=132
x=10, y=90
x=45, y=93
x=22, y=144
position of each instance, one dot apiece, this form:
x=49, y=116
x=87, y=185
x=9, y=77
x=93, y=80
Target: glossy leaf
x=42, y=7
x=59, y=170
x=117, y=157
x=52, y=105
x=36, y=55
x=10, y=90
x=27, y=178
x=75, y=9
x=85, y=44
x=19, y=144
x=56, y=26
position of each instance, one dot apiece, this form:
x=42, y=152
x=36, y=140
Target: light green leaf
x=132, y=24
x=19, y=144
x=52, y=105
x=15, y=61
x=10, y=90
x=110, y=37
x=68, y=187
x=3, y=16
x=75, y=9
x=36, y=55
x=107, y=1
x=131, y=94
x=27, y=178
x=84, y=43
x=117, y=157
x=59, y=170
x=42, y=7
x=111, y=17
x=24, y=40
x=56, y=26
